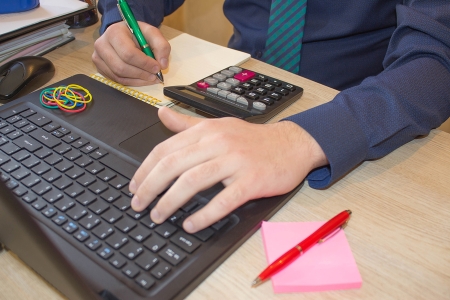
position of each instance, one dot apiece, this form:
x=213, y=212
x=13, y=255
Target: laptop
x=65, y=204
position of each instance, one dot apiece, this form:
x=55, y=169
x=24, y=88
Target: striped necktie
x=284, y=37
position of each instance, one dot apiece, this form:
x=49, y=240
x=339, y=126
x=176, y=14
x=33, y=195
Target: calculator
x=237, y=92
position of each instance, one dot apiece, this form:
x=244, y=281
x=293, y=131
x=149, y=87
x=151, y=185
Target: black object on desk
x=23, y=75
x=237, y=92
x=66, y=176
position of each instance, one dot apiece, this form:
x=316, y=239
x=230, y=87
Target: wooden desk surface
x=400, y=227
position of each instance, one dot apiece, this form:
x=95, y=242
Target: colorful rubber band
x=71, y=98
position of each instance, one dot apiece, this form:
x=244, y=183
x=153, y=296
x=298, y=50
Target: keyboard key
x=74, y=190
x=140, y=233
x=70, y=227
x=112, y=215
x=119, y=165
x=98, y=187
x=40, y=169
x=118, y=261
x=160, y=270
x=39, y=120
x=31, y=180
x=145, y=281
x=62, y=183
x=60, y=220
x=29, y=198
x=131, y=250
x=123, y=203
x=204, y=234
x=63, y=165
x=39, y=204
x=69, y=138
x=86, y=198
x=106, y=175
x=99, y=207
x=185, y=241
x=75, y=172
x=154, y=243
x=117, y=240
x=103, y=230
x=41, y=188
x=110, y=195
x=86, y=179
x=49, y=212
x=21, y=155
x=172, y=254
x=45, y=138
x=94, y=168
x=81, y=235
x=26, y=142
x=166, y=229
x=61, y=149
x=20, y=173
x=130, y=270
x=125, y=224
x=51, y=175
x=53, y=195
x=72, y=155
x=86, y=149
x=146, y=260
x=90, y=221
x=137, y=215
x=77, y=212
x=83, y=161
x=10, y=166
x=64, y=204
x=105, y=252
x=98, y=153
x=93, y=244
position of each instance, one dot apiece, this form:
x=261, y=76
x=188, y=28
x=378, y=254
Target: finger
x=176, y=122
x=187, y=185
x=158, y=43
x=219, y=207
x=170, y=168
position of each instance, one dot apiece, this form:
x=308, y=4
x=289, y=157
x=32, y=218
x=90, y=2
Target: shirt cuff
x=341, y=139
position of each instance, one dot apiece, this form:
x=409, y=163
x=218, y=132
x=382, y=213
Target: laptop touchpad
x=142, y=143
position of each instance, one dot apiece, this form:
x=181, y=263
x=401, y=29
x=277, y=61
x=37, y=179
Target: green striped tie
x=284, y=37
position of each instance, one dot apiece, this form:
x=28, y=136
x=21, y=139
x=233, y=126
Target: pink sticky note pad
x=326, y=266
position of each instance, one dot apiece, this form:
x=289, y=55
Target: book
x=326, y=266
x=191, y=59
x=49, y=11
x=36, y=43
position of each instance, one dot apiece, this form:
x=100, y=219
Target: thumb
x=176, y=122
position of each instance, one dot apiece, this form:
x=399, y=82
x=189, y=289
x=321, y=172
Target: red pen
x=318, y=236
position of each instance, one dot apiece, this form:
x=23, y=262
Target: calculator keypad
x=238, y=92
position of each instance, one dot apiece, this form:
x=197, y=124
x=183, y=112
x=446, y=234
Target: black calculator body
x=238, y=92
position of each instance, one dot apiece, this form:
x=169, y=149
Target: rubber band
x=72, y=98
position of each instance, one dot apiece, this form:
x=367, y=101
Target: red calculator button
x=202, y=85
x=244, y=75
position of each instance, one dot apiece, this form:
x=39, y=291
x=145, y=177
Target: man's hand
x=252, y=161
x=117, y=55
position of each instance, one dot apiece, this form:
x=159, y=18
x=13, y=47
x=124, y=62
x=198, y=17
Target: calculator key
x=269, y=86
x=233, y=81
x=211, y=81
x=232, y=96
x=213, y=90
x=282, y=91
x=242, y=100
x=260, y=91
x=246, y=86
x=202, y=85
x=223, y=94
x=220, y=77
x=261, y=77
x=227, y=73
x=259, y=105
x=245, y=75
x=237, y=90
x=235, y=69
x=267, y=101
x=255, y=82
x=275, y=82
x=252, y=96
x=275, y=96
x=224, y=86
x=289, y=87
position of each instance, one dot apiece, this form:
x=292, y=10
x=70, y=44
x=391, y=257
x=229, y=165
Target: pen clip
x=333, y=233
x=123, y=17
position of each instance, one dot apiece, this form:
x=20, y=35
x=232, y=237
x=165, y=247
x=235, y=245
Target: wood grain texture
x=399, y=232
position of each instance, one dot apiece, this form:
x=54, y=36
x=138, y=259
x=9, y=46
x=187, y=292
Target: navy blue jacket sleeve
x=152, y=12
x=406, y=100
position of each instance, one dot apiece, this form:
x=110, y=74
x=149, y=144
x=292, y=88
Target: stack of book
x=39, y=30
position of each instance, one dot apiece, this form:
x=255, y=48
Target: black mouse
x=23, y=75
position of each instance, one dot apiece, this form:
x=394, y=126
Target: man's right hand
x=117, y=55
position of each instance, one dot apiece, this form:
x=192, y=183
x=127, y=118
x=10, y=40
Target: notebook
x=190, y=59
x=326, y=266
x=65, y=204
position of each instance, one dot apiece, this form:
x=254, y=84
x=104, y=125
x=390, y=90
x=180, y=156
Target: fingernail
x=132, y=186
x=155, y=70
x=155, y=215
x=188, y=226
x=164, y=63
x=135, y=203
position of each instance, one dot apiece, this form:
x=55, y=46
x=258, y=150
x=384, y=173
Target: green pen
x=128, y=17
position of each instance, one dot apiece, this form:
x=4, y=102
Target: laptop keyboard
x=83, y=190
